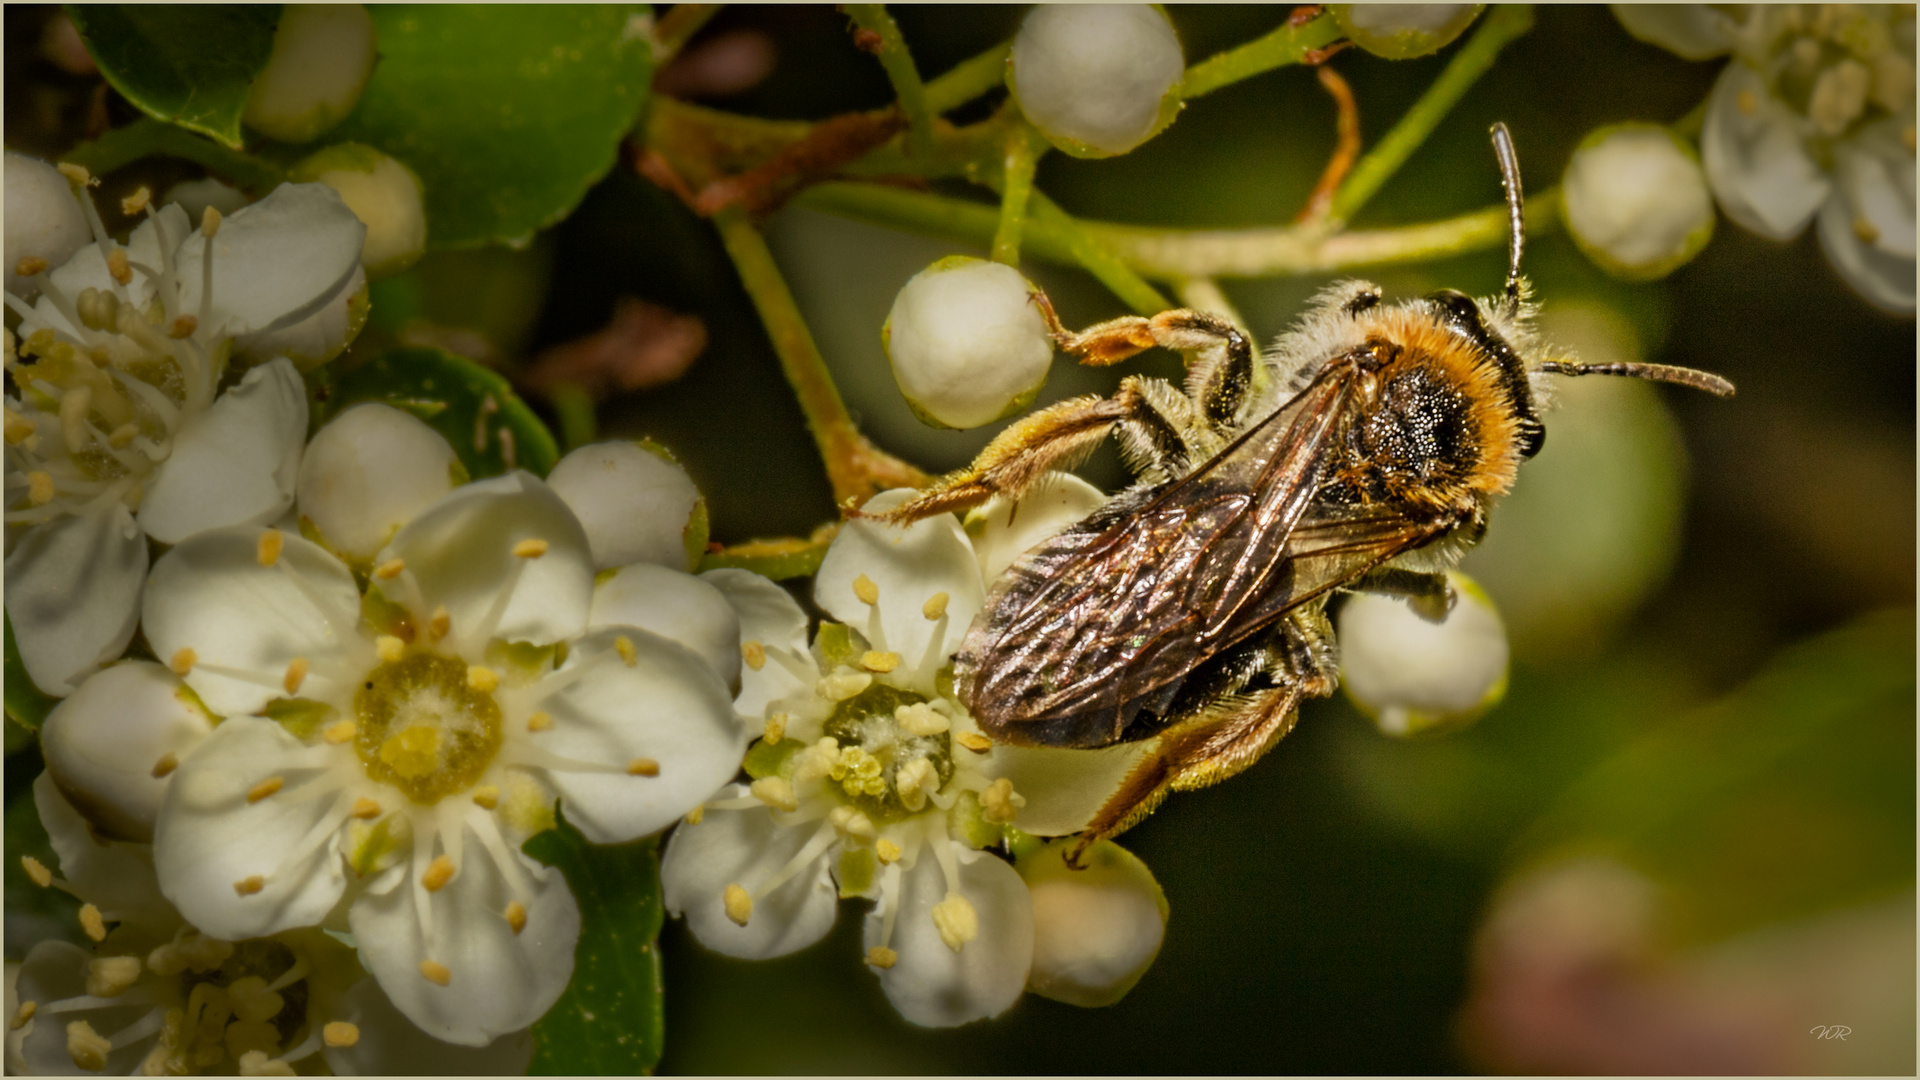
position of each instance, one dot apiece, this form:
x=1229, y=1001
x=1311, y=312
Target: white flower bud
x=635, y=503
x=1690, y=31
x=1636, y=200
x=1412, y=675
x=1097, y=79
x=195, y=196
x=1095, y=931
x=967, y=344
x=322, y=57
x=368, y=472
x=44, y=220
x=1403, y=31
x=113, y=745
x=383, y=193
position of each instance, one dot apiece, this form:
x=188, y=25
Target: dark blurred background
x=1668, y=551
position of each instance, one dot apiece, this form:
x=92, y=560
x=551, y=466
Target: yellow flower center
x=424, y=727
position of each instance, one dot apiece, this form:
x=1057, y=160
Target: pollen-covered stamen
x=482, y=679
x=738, y=903
x=436, y=973
x=624, y=646
x=843, y=685
x=271, y=543
x=887, y=851
x=136, y=202
x=36, y=871
x=164, y=767
x=643, y=766
x=182, y=661
x=879, y=662
x=865, y=590
x=339, y=732
x=340, y=1034
x=439, y=624
x=92, y=922
x=935, y=608
x=265, y=788
x=365, y=809
x=920, y=719
x=516, y=914
x=753, y=654
x=86, y=1047
x=23, y=1014
x=39, y=488
x=487, y=798
x=974, y=741
x=540, y=721
x=882, y=957
x=182, y=327
x=776, y=728
x=776, y=792
x=296, y=675
x=30, y=266
x=118, y=268
x=999, y=803
x=852, y=825
x=530, y=549
x=250, y=885
x=438, y=873
x=390, y=569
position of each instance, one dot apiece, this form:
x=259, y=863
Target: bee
x=1361, y=453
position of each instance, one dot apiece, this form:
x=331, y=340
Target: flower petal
x=1757, y=159
x=316, y=339
x=770, y=618
x=104, y=743
x=1063, y=788
x=910, y=564
x=461, y=549
x=634, y=503
x=234, y=464
x=275, y=262
x=1689, y=31
x=117, y=878
x=1867, y=228
x=667, y=706
x=934, y=986
x=1003, y=530
x=212, y=835
x=211, y=595
x=73, y=593
x=500, y=981
x=56, y=971
x=746, y=848
x=675, y=605
x=389, y=1044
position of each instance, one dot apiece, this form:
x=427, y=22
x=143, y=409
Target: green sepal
x=186, y=64
x=858, y=868
x=26, y=704
x=966, y=823
x=609, y=1020
x=775, y=560
x=768, y=759
x=836, y=645
x=300, y=716
x=384, y=616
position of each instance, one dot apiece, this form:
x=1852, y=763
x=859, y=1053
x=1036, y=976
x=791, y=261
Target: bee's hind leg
x=1220, y=356
x=1428, y=595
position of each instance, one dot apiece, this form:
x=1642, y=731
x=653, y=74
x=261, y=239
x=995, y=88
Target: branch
x=898, y=62
x=1288, y=45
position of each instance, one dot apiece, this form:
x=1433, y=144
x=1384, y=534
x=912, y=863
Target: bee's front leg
x=1428, y=595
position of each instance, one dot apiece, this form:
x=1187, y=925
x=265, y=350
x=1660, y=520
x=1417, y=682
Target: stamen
x=881, y=662
x=86, y=1047
x=92, y=923
x=117, y=267
x=296, y=674
x=776, y=728
x=920, y=719
x=183, y=661
x=643, y=766
x=624, y=646
x=182, y=327
x=441, y=622
x=882, y=957
x=914, y=781
x=486, y=797
x=1747, y=102
x=339, y=1034
x=439, y=872
x=696, y=815
x=154, y=1020
x=36, y=870
x=516, y=916
x=389, y=648
x=841, y=686
x=75, y=174
x=739, y=905
x=866, y=590
x=74, y=405
x=1865, y=230
x=436, y=973
x=137, y=201
x=776, y=792
x=248, y=886
x=122, y=436
x=29, y=266
x=974, y=741
x=19, y=428
x=851, y=824
x=365, y=809
x=265, y=788
x=936, y=607
x=164, y=767
x=390, y=569
x=999, y=803
x=530, y=549
x=271, y=542
x=755, y=655
x=540, y=721
x=209, y=222
x=483, y=679
x=23, y=1014
x=888, y=852
x=39, y=488
x=340, y=732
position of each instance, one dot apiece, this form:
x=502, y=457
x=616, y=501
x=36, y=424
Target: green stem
x=1094, y=257
x=574, y=406
x=1502, y=25
x=1017, y=172
x=1281, y=48
x=969, y=79
x=146, y=137
x=677, y=26
x=901, y=71
x=855, y=469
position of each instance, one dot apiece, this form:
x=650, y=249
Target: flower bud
x=1403, y=31
x=1097, y=79
x=195, y=196
x=1097, y=930
x=383, y=193
x=635, y=502
x=1636, y=200
x=1412, y=675
x=967, y=344
x=1689, y=31
x=322, y=57
x=43, y=220
x=368, y=472
x=112, y=746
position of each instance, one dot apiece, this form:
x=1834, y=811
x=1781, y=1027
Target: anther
x=297, y=669
x=29, y=266
x=77, y=174
x=136, y=202
x=340, y=731
x=486, y=798
x=269, y=547
x=935, y=606
x=1907, y=138
x=738, y=903
x=87, y=1047
x=624, y=646
x=183, y=661
x=516, y=915
x=919, y=719
x=23, y=1014
x=530, y=549
x=754, y=653
x=111, y=976
x=999, y=803
x=39, y=488
x=92, y=923
x=540, y=721
x=866, y=590
x=888, y=851
x=19, y=429
x=390, y=648
x=437, y=874
x=776, y=728
x=482, y=679
x=36, y=870
x=696, y=815
x=842, y=686
x=118, y=267
x=974, y=741
x=851, y=824
x=248, y=886
x=265, y=788
x=1747, y=102
x=882, y=957
x=1866, y=230
x=209, y=222
x=164, y=767
x=390, y=569
x=365, y=809
x=643, y=766
x=182, y=326
x=339, y=1033
x=439, y=624
x=435, y=972
x=956, y=920
x=122, y=436
x=881, y=662
x=775, y=792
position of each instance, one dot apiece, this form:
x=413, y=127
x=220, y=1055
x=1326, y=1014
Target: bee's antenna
x=1699, y=380
x=1516, y=229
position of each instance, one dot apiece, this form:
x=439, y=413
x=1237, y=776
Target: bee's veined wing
x=1107, y=614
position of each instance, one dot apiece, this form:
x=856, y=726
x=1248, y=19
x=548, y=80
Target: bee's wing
x=1093, y=622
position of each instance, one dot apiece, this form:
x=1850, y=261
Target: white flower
x=636, y=503
x=1636, y=200
x=43, y=220
x=113, y=745
x=1404, y=31
x=389, y=754
x=1412, y=675
x=967, y=342
x=322, y=57
x=873, y=781
x=120, y=409
x=158, y=997
x=383, y=193
x=1096, y=930
x=1097, y=79
x=368, y=472
x=1814, y=115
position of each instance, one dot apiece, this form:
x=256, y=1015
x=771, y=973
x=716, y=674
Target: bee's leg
x=1220, y=356
x=1428, y=595
x=1056, y=437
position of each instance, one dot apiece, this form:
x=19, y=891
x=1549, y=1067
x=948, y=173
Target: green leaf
x=776, y=560
x=26, y=705
x=188, y=64
x=452, y=394
x=508, y=113
x=609, y=1022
